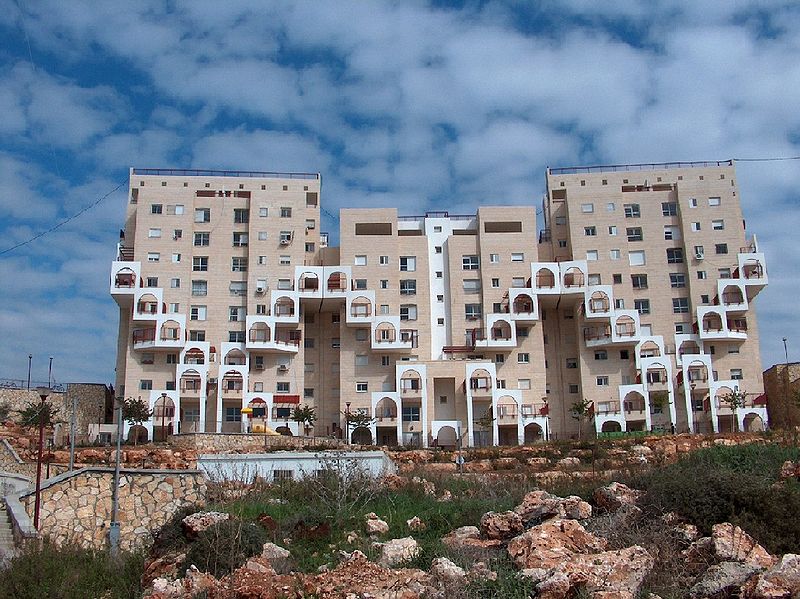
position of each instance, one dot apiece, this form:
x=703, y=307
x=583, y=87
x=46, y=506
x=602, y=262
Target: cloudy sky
x=405, y=104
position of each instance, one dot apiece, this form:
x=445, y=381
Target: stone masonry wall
x=91, y=401
x=76, y=507
x=243, y=443
x=11, y=462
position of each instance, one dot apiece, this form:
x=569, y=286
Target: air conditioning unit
x=699, y=254
x=261, y=289
x=286, y=241
x=283, y=368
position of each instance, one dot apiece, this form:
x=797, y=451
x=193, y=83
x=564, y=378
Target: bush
x=71, y=573
x=222, y=548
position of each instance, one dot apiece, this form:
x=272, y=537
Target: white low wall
x=246, y=467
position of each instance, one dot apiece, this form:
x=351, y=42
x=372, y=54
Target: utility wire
x=776, y=159
x=63, y=222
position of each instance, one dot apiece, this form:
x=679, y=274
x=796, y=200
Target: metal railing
x=653, y=166
x=212, y=173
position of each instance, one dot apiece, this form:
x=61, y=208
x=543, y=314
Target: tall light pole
x=347, y=423
x=786, y=382
x=72, y=431
x=113, y=530
x=30, y=359
x=43, y=393
x=50, y=372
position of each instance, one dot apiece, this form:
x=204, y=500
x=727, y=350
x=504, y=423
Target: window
x=562, y=243
x=362, y=360
x=591, y=255
x=286, y=237
x=681, y=327
x=383, y=260
x=197, y=335
x=639, y=281
x=263, y=212
x=614, y=254
x=677, y=280
x=241, y=215
x=587, y=208
x=262, y=235
x=282, y=387
x=636, y=258
x=695, y=227
x=495, y=283
x=151, y=282
x=714, y=201
x=590, y=231
x=702, y=275
x=602, y=381
x=240, y=240
x=408, y=286
x=156, y=209
x=704, y=298
x=174, y=308
x=523, y=384
x=572, y=362
x=494, y=258
x=669, y=208
x=672, y=233
x=736, y=374
x=634, y=233
x=470, y=262
x=410, y=413
x=202, y=215
x=384, y=309
x=309, y=342
x=154, y=233
x=176, y=258
x=284, y=284
x=238, y=264
x=616, y=278
x=172, y=358
x=612, y=230
x=721, y=248
x=311, y=224
x=680, y=305
x=238, y=288
x=573, y=388
x=724, y=273
x=149, y=358
x=517, y=257
x=610, y=206
x=336, y=342
x=153, y=256
x=523, y=358
x=408, y=263
x=285, y=260
x=619, y=303
x=236, y=336
x=473, y=285
x=236, y=313
x=642, y=306
x=175, y=283
x=472, y=311
x=361, y=387
x=692, y=202
x=632, y=211
x=286, y=212
x=518, y=282
x=408, y=312
x=202, y=239
x=384, y=283
x=146, y=385
x=674, y=255
x=561, y=220
x=199, y=287
x=261, y=309
x=200, y=263
x=361, y=260
x=601, y=354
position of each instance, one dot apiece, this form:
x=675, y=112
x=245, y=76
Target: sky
x=424, y=106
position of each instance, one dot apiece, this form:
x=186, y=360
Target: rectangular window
x=156, y=208
x=616, y=278
x=517, y=257
x=639, y=281
x=573, y=388
x=695, y=227
x=238, y=288
x=408, y=312
x=677, y=280
x=261, y=309
x=263, y=212
x=236, y=314
x=736, y=374
x=602, y=381
x=634, y=233
x=200, y=263
x=472, y=285
x=282, y=387
x=146, y=385
x=202, y=215
x=360, y=260
x=151, y=282
x=362, y=360
x=523, y=358
x=702, y=275
x=408, y=263
x=197, y=335
x=202, y=239
x=721, y=248
x=636, y=258
x=153, y=256
x=669, y=208
x=472, y=311
x=591, y=255
x=470, y=262
x=601, y=354
x=518, y=282
x=587, y=208
x=175, y=283
x=238, y=264
x=632, y=211
x=236, y=336
x=360, y=284
x=176, y=258
x=590, y=231
x=674, y=255
x=610, y=206
x=383, y=260
x=286, y=212
x=199, y=287
x=672, y=233
x=495, y=283
x=572, y=362
x=680, y=305
x=718, y=224
x=642, y=306
x=241, y=215
x=410, y=414
x=614, y=254
x=362, y=387
x=494, y=258
x=154, y=233
x=408, y=287
x=174, y=308
x=240, y=240
x=714, y=201
x=724, y=273
x=612, y=230
x=262, y=235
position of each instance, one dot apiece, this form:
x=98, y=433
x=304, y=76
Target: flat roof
x=189, y=172
x=652, y=166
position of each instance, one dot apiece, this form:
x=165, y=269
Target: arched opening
x=446, y=437
x=137, y=434
x=386, y=409
x=385, y=333
x=689, y=347
x=634, y=403
x=523, y=304
x=361, y=307
x=480, y=382
x=649, y=349
x=194, y=355
x=599, y=302
x=753, y=269
x=611, y=426
x=698, y=373
x=719, y=399
x=573, y=277
x=309, y=281
x=732, y=295
x=533, y=433
x=410, y=383
x=753, y=423
x=284, y=306
x=235, y=357
x=626, y=326
x=501, y=331
x=337, y=281
x=260, y=332
x=191, y=383
x=163, y=418
x=147, y=304
x=257, y=419
x=656, y=375
x=125, y=278
x=284, y=430
x=712, y=322
x=361, y=436
x=232, y=383
x=170, y=331
x=507, y=415
x=545, y=279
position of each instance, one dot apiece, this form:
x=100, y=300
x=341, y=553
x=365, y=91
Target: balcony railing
x=607, y=407
x=144, y=335
x=125, y=281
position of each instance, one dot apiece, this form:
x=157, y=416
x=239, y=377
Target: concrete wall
x=76, y=506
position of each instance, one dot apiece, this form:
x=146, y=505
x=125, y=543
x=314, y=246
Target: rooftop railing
x=174, y=172
x=653, y=166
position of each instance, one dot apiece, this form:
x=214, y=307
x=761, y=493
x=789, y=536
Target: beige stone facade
x=440, y=328
x=781, y=385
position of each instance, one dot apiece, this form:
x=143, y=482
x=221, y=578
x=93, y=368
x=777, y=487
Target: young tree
x=355, y=419
x=37, y=413
x=735, y=400
x=306, y=416
x=580, y=410
x=135, y=411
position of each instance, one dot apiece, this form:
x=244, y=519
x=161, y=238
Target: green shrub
x=225, y=546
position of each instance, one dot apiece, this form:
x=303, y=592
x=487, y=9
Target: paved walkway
x=9, y=483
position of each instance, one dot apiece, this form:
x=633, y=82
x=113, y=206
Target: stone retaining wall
x=76, y=506
x=243, y=443
x=11, y=462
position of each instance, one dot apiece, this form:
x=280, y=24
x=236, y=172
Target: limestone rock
x=446, y=572
x=782, y=580
x=415, y=524
x=501, y=525
x=790, y=469
x=374, y=525
x=614, y=496
x=699, y=555
x=196, y=523
x=552, y=543
x=260, y=565
x=733, y=544
x=569, y=462
x=271, y=551
x=480, y=571
x=398, y=550
x=723, y=578
x=556, y=586
x=469, y=538
x=537, y=506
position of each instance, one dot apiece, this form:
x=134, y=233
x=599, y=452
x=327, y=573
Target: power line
x=775, y=159
x=63, y=222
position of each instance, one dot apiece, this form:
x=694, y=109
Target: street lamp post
x=786, y=382
x=113, y=531
x=43, y=393
x=30, y=359
x=347, y=423
x=50, y=372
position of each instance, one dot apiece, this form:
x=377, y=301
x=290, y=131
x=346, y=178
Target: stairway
x=7, y=548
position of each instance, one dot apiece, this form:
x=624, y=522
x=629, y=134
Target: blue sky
x=404, y=104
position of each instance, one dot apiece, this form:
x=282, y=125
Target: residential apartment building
x=439, y=328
